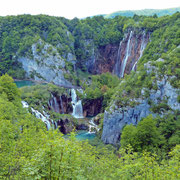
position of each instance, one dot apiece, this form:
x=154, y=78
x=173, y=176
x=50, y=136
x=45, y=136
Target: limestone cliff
x=118, y=59
x=45, y=64
x=92, y=107
x=156, y=101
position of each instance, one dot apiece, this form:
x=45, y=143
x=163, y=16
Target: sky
x=79, y=8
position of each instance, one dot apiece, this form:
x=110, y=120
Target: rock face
x=45, y=64
x=115, y=121
x=118, y=59
x=60, y=104
x=130, y=51
x=65, y=126
x=92, y=107
x=116, y=118
x=103, y=60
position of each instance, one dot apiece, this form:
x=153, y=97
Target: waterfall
x=44, y=117
x=134, y=66
x=143, y=46
x=77, y=105
x=61, y=103
x=124, y=62
x=54, y=104
x=118, y=61
x=93, y=126
x=55, y=125
x=25, y=104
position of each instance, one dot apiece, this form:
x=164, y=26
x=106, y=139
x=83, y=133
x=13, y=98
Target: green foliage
x=143, y=137
x=29, y=151
x=9, y=88
x=158, y=135
x=81, y=37
x=18, y=33
x=101, y=86
x=39, y=95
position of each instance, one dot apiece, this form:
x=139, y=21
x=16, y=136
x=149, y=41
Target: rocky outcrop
x=104, y=60
x=130, y=51
x=115, y=121
x=60, y=104
x=45, y=64
x=92, y=107
x=118, y=59
x=116, y=118
x=68, y=124
x=65, y=126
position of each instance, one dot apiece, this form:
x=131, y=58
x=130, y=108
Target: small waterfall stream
x=77, y=105
x=93, y=128
x=143, y=46
x=61, y=104
x=124, y=62
x=44, y=117
x=118, y=62
x=54, y=104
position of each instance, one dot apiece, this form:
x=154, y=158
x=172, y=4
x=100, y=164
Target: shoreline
x=41, y=82
x=32, y=80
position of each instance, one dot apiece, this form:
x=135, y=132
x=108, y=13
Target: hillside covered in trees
x=144, y=12
x=29, y=151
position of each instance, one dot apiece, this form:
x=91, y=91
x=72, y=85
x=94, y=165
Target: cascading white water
x=54, y=104
x=93, y=126
x=77, y=105
x=124, y=62
x=25, y=104
x=61, y=103
x=44, y=117
x=118, y=61
x=143, y=46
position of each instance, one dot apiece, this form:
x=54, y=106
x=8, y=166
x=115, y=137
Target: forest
x=32, y=152
x=18, y=33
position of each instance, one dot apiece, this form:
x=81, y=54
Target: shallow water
x=23, y=83
x=83, y=135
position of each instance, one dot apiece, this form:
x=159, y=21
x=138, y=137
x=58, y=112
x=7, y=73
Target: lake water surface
x=23, y=83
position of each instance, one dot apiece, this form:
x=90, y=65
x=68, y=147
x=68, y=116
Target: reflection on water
x=23, y=83
x=83, y=135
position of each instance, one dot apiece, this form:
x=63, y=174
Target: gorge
x=93, y=98
x=118, y=58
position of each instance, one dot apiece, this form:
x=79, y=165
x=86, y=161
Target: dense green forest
x=18, y=33
x=29, y=151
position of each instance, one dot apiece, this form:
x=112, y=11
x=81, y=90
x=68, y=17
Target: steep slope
x=96, y=45
x=45, y=64
x=36, y=44
x=158, y=95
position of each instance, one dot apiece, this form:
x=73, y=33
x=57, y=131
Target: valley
x=90, y=94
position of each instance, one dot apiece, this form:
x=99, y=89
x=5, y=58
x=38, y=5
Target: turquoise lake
x=83, y=135
x=23, y=83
